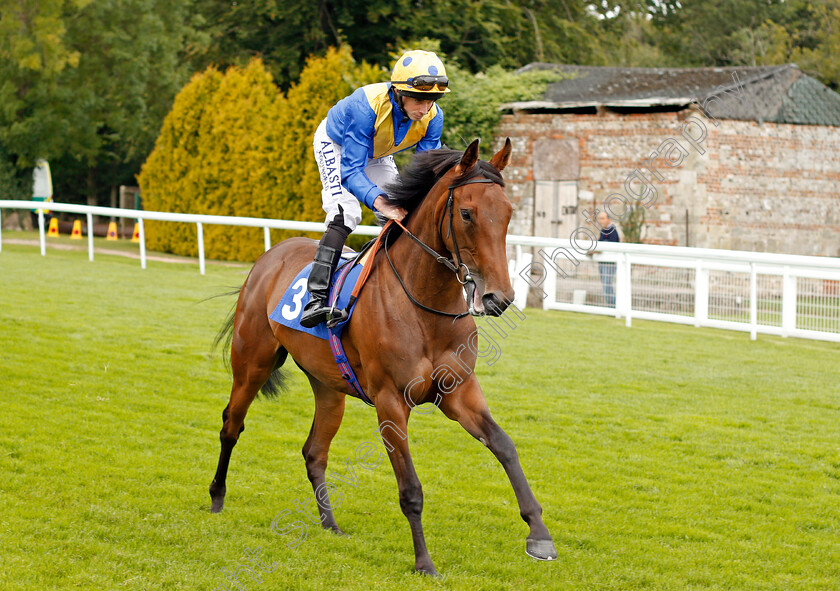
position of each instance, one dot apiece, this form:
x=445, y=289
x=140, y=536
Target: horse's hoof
x=337, y=531
x=540, y=549
x=218, y=497
x=429, y=571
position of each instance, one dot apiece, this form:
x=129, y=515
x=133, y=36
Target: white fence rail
x=199, y=220
x=787, y=295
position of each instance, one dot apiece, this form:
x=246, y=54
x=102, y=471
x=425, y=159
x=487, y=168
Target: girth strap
x=344, y=367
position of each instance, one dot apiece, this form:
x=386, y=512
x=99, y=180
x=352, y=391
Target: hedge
x=233, y=144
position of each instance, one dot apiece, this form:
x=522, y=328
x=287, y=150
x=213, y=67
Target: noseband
x=455, y=266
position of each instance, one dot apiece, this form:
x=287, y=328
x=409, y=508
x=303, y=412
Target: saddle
x=348, y=281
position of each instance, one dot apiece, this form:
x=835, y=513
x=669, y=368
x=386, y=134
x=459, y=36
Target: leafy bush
x=234, y=145
x=12, y=183
x=633, y=225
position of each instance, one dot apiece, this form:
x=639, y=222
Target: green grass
x=664, y=456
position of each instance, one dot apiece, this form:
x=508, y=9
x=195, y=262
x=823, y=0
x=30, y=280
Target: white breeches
x=380, y=171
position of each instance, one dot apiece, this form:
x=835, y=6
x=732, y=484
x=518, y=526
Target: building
x=741, y=158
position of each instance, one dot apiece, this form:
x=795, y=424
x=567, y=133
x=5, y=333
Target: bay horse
x=408, y=320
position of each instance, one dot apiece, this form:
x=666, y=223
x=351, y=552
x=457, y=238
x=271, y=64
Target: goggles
x=425, y=83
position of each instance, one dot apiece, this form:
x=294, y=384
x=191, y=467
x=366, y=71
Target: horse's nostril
x=493, y=304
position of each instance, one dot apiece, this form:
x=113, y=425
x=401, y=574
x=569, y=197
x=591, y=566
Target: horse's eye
x=466, y=215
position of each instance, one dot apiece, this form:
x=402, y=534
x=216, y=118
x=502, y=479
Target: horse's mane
x=415, y=182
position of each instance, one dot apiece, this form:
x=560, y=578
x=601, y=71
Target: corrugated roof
x=782, y=94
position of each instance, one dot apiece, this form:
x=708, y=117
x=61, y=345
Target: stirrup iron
x=336, y=316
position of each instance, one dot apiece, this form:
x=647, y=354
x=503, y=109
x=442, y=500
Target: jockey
x=354, y=147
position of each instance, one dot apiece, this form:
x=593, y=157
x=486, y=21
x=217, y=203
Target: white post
x=620, y=287
x=41, y=232
x=267, y=234
x=141, y=234
x=701, y=294
x=753, y=303
x=200, y=247
x=520, y=286
x=788, y=302
x=89, y=217
x=628, y=293
x=550, y=285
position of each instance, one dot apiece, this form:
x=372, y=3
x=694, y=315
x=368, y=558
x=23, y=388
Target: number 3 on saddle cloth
x=348, y=280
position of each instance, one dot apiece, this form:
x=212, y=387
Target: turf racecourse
x=664, y=456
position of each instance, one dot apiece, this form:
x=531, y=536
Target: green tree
x=34, y=52
x=88, y=83
x=633, y=226
x=32, y=36
x=808, y=34
x=710, y=33
x=284, y=33
x=478, y=33
x=817, y=46
x=629, y=38
x=13, y=183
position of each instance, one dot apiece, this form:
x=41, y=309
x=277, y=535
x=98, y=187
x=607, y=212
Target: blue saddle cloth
x=289, y=309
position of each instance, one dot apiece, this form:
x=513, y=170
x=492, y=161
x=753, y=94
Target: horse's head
x=474, y=218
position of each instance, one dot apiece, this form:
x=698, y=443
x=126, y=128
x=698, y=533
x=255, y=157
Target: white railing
x=199, y=220
x=787, y=295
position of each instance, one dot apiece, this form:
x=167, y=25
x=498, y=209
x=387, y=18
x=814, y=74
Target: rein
x=454, y=266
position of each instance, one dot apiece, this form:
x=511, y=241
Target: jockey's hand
x=392, y=212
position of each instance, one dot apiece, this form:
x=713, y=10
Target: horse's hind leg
x=329, y=410
x=249, y=375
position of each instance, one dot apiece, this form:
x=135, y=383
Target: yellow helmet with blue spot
x=421, y=75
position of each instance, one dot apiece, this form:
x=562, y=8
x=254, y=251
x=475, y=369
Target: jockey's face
x=416, y=109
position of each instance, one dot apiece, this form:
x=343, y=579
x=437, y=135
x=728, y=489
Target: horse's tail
x=225, y=334
x=276, y=382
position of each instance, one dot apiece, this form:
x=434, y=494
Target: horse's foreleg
x=249, y=375
x=329, y=410
x=468, y=406
x=393, y=420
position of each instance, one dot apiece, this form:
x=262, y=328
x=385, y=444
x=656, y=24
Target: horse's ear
x=469, y=158
x=502, y=157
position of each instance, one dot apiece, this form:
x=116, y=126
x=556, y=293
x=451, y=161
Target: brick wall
x=761, y=187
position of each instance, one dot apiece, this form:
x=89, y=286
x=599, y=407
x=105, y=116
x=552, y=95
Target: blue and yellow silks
x=369, y=124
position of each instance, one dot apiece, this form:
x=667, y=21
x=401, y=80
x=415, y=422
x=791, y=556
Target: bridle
x=455, y=266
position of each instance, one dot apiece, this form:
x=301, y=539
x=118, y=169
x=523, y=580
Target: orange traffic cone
x=76, y=234
x=112, y=232
x=53, y=230
x=136, y=236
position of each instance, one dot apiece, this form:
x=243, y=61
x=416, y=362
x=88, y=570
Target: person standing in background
x=609, y=233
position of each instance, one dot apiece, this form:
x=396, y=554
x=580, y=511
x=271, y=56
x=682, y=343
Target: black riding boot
x=326, y=259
